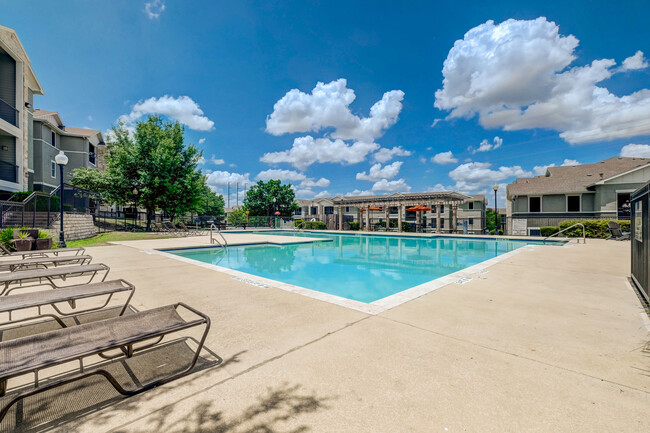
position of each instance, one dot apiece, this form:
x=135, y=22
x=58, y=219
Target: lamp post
x=135, y=208
x=61, y=161
x=496, y=213
x=274, y=217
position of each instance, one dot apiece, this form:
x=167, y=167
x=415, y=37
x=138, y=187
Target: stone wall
x=75, y=226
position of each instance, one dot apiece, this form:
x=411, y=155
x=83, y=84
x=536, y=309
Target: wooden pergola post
x=454, y=218
x=368, y=218
x=340, y=217
x=387, y=219
x=438, y=218
x=400, y=211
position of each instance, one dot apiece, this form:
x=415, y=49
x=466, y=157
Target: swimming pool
x=360, y=267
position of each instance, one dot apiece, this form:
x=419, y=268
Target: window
x=534, y=204
x=313, y=211
x=573, y=203
x=471, y=221
x=442, y=209
x=53, y=169
x=442, y=223
x=91, y=154
x=53, y=143
x=298, y=211
x=347, y=208
x=470, y=205
x=329, y=210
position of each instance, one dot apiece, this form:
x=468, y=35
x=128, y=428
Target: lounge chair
x=43, y=262
x=38, y=300
x=189, y=231
x=19, y=279
x=40, y=253
x=29, y=355
x=171, y=228
x=616, y=233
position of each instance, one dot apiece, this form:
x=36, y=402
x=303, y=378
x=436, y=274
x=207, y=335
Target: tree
x=151, y=166
x=259, y=198
x=237, y=217
x=489, y=220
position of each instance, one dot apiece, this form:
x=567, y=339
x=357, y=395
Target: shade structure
x=419, y=208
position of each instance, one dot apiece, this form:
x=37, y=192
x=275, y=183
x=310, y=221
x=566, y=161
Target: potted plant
x=44, y=241
x=23, y=242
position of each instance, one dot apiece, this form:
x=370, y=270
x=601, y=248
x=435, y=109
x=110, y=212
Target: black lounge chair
x=38, y=300
x=616, y=233
x=191, y=232
x=19, y=279
x=43, y=262
x=40, y=253
x=31, y=354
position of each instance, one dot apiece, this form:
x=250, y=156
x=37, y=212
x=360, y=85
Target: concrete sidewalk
x=552, y=339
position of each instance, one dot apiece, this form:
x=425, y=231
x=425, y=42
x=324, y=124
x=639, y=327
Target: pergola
x=401, y=201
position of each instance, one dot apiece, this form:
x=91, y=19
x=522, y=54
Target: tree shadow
x=273, y=412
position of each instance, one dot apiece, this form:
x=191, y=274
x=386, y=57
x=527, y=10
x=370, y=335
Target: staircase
x=41, y=220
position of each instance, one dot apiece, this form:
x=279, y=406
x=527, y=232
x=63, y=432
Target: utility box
x=640, y=239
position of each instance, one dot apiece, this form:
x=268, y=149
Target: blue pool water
x=365, y=268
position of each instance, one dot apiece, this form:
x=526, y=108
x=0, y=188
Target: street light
x=135, y=208
x=496, y=213
x=61, y=161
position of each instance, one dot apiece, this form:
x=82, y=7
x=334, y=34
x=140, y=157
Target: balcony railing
x=9, y=113
x=8, y=172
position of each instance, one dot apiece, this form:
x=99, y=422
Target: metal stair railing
x=8, y=207
x=584, y=238
x=214, y=239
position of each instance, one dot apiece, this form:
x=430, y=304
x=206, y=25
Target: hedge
x=298, y=222
x=548, y=231
x=354, y=226
x=593, y=228
x=314, y=225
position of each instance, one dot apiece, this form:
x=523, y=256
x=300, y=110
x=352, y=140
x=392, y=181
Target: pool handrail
x=584, y=238
x=213, y=239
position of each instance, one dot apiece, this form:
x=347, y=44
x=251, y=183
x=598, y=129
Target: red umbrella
x=277, y=213
x=371, y=208
x=419, y=208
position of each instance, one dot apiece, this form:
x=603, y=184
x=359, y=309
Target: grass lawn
x=102, y=239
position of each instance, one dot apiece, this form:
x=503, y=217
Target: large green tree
x=152, y=167
x=259, y=198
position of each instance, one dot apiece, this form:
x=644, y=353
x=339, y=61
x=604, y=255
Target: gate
x=640, y=239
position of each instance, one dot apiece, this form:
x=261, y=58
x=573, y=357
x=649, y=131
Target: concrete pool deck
x=552, y=339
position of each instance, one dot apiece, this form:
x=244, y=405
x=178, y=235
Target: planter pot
x=44, y=244
x=23, y=244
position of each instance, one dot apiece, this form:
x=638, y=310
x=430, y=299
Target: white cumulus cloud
x=637, y=61
x=305, y=184
x=516, y=75
x=212, y=160
x=474, y=176
x=358, y=192
x=308, y=150
x=385, y=154
x=385, y=185
x=154, y=8
x=486, y=146
x=182, y=109
x=327, y=106
x=378, y=172
x=201, y=140
x=223, y=178
x=636, y=150
x=444, y=158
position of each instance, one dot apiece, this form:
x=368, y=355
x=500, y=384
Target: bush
x=593, y=228
x=354, y=226
x=314, y=225
x=298, y=222
x=548, y=231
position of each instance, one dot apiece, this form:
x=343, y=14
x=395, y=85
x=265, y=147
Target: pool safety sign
x=638, y=221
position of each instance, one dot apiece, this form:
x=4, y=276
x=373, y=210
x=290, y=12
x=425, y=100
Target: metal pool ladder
x=214, y=240
x=584, y=238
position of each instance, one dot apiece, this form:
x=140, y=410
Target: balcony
x=9, y=113
x=8, y=172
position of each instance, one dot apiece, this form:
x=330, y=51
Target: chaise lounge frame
x=49, y=275
x=22, y=362
x=41, y=253
x=71, y=294
x=43, y=262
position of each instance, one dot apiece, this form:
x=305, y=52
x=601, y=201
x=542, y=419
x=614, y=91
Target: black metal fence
x=640, y=235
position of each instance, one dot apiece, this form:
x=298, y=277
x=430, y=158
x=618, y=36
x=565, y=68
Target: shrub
x=314, y=225
x=548, y=231
x=593, y=228
x=354, y=226
x=7, y=235
x=298, y=222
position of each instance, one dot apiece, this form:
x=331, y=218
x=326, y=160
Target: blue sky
x=549, y=83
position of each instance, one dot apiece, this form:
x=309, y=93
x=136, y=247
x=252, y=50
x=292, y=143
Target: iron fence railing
x=9, y=113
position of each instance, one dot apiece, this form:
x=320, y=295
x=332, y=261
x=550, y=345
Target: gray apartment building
x=470, y=212
x=29, y=138
x=600, y=190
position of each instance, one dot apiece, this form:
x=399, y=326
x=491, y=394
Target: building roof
x=19, y=51
x=410, y=198
x=53, y=119
x=574, y=178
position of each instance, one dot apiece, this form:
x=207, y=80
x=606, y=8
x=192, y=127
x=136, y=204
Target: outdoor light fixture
x=61, y=161
x=496, y=213
x=275, y=218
